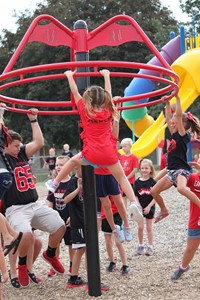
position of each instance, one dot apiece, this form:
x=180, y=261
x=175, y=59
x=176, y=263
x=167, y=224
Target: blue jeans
x=5, y=182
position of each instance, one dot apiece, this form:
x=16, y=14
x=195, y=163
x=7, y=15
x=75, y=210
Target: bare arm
x=106, y=74
x=168, y=115
x=2, y=108
x=116, y=120
x=132, y=173
x=71, y=196
x=72, y=85
x=179, y=115
x=195, y=165
x=115, y=128
x=37, y=137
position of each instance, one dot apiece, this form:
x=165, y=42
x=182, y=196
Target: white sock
x=181, y=267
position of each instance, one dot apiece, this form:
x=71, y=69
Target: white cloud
x=174, y=6
x=7, y=21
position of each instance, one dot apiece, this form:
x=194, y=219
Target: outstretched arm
x=179, y=115
x=106, y=74
x=168, y=115
x=195, y=165
x=115, y=128
x=37, y=137
x=72, y=84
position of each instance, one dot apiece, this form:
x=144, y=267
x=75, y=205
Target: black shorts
x=105, y=227
x=78, y=235
x=67, y=237
x=151, y=213
x=106, y=185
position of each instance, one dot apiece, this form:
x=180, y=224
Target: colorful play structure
x=183, y=54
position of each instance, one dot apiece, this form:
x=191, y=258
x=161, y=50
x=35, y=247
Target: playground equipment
x=111, y=34
x=187, y=67
x=80, y=42
x=183, y=55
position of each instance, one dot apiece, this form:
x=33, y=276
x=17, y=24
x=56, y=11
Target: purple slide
x=171, y=51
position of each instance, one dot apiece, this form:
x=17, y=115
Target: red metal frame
x=110, y=33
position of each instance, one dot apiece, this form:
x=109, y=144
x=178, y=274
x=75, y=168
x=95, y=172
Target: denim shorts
x=194, y=233
x=173, y=174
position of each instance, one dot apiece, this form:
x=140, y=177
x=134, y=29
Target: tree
x=154, y=20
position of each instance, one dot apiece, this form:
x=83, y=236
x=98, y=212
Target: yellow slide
x=187, y=66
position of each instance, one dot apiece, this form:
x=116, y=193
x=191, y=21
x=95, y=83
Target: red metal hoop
x=24, y=76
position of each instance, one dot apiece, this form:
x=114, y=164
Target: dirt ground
x=150, y=276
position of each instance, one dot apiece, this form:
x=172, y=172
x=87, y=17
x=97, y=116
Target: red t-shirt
x=129, y=163
x=113, y=207
x=194, y=185
x=99, y=143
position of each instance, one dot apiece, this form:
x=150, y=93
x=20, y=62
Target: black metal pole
x=90, y=202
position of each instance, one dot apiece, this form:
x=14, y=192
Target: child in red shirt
x=193, y=239
x=97, y=112
x=129, y=163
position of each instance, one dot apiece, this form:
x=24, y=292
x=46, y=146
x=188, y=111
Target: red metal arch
x=112, y=33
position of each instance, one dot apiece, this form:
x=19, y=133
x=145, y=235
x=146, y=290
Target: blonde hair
x=63, y=158
x=150, y=163
x=97, y=96
x=127, y=141
x=66, y=146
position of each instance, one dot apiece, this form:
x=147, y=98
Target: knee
x=27, y=238
x=181, y=189
x=106, y=203
x=152, y=191
x=62, y=230
x=141, y=226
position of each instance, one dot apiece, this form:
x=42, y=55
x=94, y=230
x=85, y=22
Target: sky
x=7, y=8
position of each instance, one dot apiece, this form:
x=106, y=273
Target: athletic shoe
x=54, y=262
x=51, y=273
x=135, y=212
x=79, y=282
x=127, y=233
x=139, y=250
x=125, y=270
x=119, y=234
x=51, y=185
x=178, y=273
x=23, y=276
x=33, y=278
x=111, y=267
x=149, y=251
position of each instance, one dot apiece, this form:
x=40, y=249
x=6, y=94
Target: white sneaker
x=135, y=212
x=51, y=186
x=149, y=251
